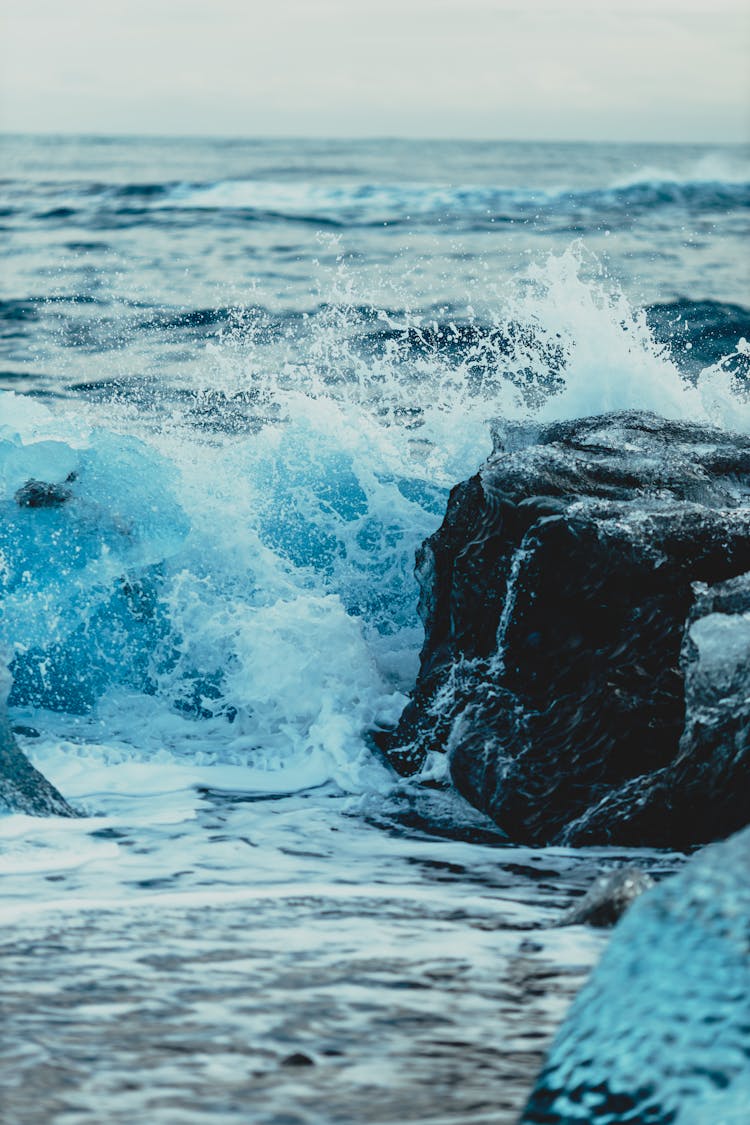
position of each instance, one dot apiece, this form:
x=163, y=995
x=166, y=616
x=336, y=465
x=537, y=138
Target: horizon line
x=69, y=134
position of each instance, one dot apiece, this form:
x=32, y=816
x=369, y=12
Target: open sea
x=258, y=368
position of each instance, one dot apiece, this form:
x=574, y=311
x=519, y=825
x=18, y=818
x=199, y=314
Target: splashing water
x=246, y=595
x=207, y=599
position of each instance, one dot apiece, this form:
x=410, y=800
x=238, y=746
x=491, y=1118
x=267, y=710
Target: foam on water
x=250, y=600
x=232, y=609
x=611, y=360
x=709, y=168
x=204, y=625
x=373, y=203
x=249, y=429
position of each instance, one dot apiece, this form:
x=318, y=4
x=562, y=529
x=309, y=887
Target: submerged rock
x=42, y=494
x=298, y=1058
x=607, y=900
x=661, y=1032
x=564, y=631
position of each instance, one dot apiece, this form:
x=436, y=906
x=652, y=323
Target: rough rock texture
x=608, y=898
x=41, y=494
x=661, y=1032
x=555, y=598
x=705, y=792
x=23, y=788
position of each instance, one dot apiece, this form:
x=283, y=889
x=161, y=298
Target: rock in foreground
x=661, y=1032
x=564, y=637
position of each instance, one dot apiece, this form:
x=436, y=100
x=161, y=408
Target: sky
x=671, y=70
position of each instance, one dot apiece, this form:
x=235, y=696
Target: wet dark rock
x=298, y=1059
x=607, y=900
x=706, y=786
x=41, y=494
x=22, y=787
x=559, y=599
x=661, y=1032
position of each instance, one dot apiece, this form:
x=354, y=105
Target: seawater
x=258, y=368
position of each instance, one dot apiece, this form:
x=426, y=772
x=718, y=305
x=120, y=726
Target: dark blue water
x=124, y=257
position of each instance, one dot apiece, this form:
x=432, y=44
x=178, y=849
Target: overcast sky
x=668, y=70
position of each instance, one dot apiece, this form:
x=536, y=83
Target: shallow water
x=308, y=958
x=256, y=370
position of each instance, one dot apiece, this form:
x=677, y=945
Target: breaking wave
x=373, y=204
x=242, y=592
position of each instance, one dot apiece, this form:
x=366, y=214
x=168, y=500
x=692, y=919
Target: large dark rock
x=22, y=787
x=661, y=1032
x=555, y=598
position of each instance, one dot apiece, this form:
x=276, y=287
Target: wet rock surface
x=561, y=615
x=42, y=494
x=22, y=787
x=661, y=1032
x=608, y=898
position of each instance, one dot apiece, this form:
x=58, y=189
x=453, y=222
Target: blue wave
x=371, y=204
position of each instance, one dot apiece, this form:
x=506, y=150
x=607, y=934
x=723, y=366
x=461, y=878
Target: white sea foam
x=250, y=603
x=309, y=200
x=611, y=361
x=381, y=202
x=709, y=168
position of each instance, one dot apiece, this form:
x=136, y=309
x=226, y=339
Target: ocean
x=260, y=367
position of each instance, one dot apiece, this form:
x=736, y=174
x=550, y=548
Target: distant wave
x=374, y=204
x=397, y=202
x=712, y=167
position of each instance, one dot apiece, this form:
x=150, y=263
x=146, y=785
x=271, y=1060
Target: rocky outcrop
x=565, y=634
x=661, y=1032
x=23, y=788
